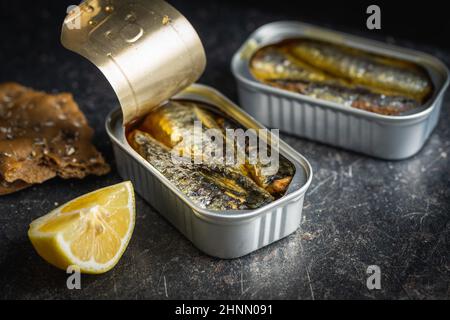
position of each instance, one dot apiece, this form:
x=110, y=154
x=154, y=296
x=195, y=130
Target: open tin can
x=150, y=53
x=383, y=136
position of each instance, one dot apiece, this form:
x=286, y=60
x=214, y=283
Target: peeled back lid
x=146, y=49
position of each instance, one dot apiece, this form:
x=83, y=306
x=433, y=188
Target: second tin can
x=387, y=137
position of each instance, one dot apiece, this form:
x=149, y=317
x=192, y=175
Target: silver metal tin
x=149, y=52
x=223, y=234
x=387, y=137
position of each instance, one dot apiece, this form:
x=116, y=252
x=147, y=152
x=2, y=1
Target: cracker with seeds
x=42, y=136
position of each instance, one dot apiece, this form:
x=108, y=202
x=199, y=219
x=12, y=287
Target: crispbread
x=43, y=135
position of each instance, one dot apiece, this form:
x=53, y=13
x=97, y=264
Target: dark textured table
x=359, y=211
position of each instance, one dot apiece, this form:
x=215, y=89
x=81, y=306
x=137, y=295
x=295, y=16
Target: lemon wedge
x=91, y=231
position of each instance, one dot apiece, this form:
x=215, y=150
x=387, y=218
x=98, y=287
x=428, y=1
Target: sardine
x=356, y=98
x=277, y=183
x=343, y=75
x=393, y=76
x=173, y=122
x=274, y=62
x=212, y=187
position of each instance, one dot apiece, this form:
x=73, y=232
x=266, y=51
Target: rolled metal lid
x=146, y=49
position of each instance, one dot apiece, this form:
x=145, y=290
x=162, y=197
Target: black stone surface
x=359, y=211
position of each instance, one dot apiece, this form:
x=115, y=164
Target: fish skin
x=174, y=121
x=277, y=183
x=356, y=98
x=361, y=68
x=276, y=63
x=171, y=122
x=211, y=187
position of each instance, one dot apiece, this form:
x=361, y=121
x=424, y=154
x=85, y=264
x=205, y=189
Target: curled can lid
x=146, y=49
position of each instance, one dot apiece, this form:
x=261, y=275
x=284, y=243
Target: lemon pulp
x=91, y=231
